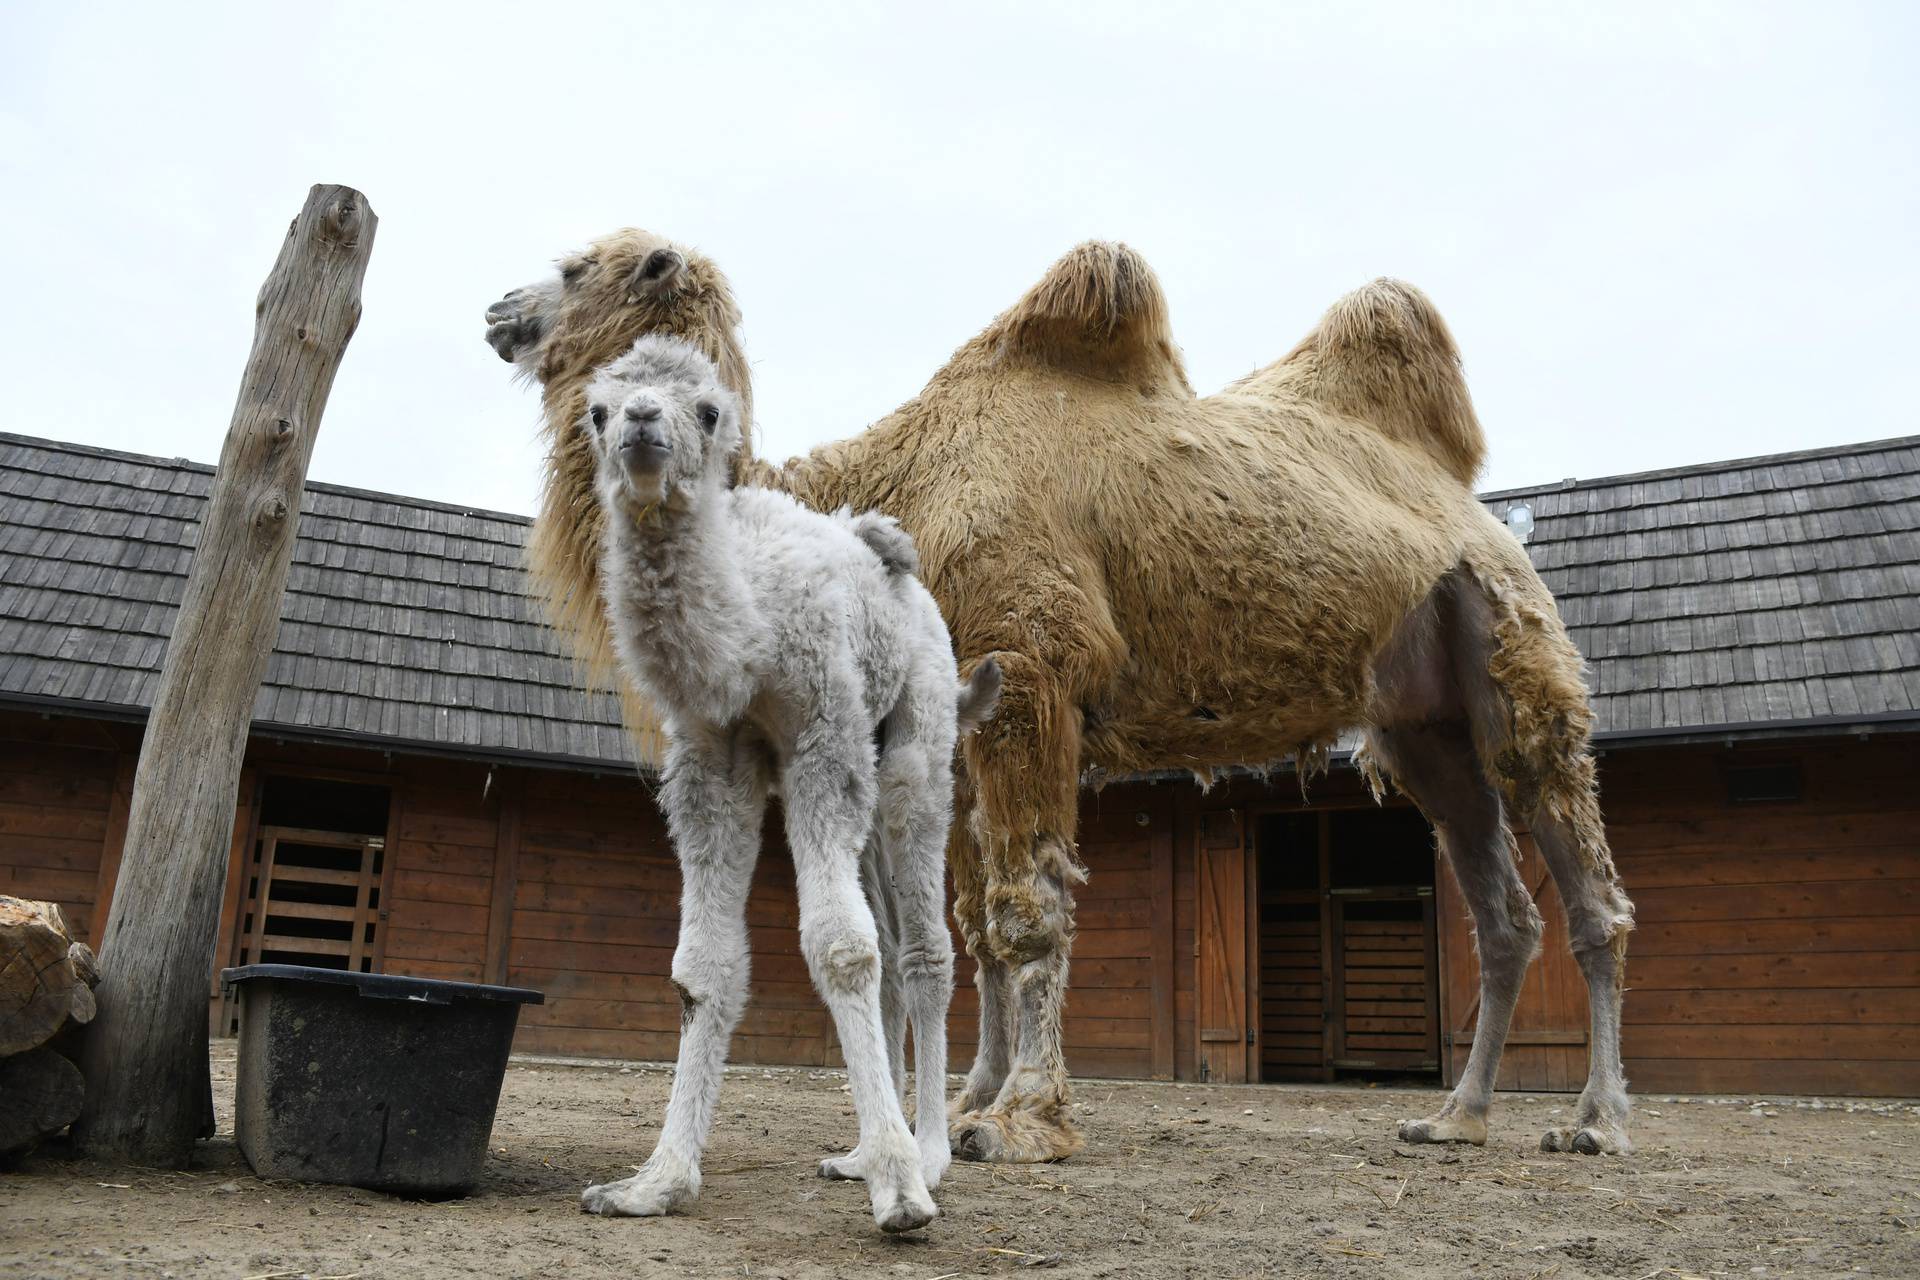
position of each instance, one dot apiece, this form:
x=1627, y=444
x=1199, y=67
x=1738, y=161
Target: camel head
x=660, y=425
x=598, y=301
x=560, y=331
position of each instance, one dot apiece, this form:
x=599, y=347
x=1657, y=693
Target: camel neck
x=681, y=607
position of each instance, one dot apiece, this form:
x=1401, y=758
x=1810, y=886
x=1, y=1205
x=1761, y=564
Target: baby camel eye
x=598, y=416
x=709, y=418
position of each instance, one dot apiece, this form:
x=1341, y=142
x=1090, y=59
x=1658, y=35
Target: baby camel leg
x=714, y=801
x=915, y=801
x=909, y=888
x=916, y=984
x=1435, y=764
x=876, y=877
x=829, y=805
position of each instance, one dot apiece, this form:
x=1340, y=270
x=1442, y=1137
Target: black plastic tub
x=369, y=1079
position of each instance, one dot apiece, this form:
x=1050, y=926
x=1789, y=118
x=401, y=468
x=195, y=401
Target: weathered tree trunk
x=45, y=976
x=40, y=1094
x=148, y=1091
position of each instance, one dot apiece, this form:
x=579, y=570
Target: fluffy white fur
x=787, y=652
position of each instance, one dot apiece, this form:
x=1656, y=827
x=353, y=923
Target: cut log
x=40, y=1094
x=37, y=977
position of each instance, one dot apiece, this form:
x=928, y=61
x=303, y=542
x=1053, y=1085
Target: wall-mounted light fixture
x=1520, y=520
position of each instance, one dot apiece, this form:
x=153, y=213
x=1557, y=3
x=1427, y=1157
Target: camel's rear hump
x=1383, y=355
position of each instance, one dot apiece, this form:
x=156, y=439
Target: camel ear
x=659, y=274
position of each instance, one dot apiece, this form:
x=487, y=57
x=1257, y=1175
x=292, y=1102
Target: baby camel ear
x=659, y=273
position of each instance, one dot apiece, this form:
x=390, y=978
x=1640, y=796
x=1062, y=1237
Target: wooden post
x=148, y=1093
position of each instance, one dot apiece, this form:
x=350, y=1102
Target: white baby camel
x=795, y=653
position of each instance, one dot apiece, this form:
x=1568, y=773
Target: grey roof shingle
x=1759, y=591
x=403, y=620
x=1740, y=593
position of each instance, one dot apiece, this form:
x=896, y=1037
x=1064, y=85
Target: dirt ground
x=1177, y=1180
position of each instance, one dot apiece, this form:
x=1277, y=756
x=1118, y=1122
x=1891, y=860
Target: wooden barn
x=426, y=793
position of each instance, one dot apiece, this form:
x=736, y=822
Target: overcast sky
x=1662, y=233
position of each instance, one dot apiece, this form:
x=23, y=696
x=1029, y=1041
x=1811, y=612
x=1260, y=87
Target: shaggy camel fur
x=1175, y=581
x=779, y=643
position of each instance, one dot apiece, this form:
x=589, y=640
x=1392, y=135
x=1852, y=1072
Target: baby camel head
x=662, y=426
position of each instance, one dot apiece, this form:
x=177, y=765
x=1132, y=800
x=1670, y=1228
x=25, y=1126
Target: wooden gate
x=1385, y=988
x=309, y=897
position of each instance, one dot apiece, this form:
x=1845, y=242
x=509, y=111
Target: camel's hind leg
x=1488, y=645
x=1598, y=920
x=1433, y=762
x=1528, y=701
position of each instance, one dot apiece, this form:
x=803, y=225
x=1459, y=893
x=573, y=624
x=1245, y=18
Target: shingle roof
x=403, y=620
x=1759, y=591
x=1766, y=591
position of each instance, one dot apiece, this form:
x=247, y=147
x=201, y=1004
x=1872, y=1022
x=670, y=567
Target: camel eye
x=598, y=416
x=572, y=271
x=709, y=418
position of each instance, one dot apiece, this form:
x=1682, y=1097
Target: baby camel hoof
x=843, y=1168
x=1470, y=1129
x=1591, y=1140
x=636, y=1197
x=906, y=1213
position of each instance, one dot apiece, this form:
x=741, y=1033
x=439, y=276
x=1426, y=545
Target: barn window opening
x=1764, y=783
x=311, y=894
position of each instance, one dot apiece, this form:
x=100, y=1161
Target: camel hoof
x=1014, y=1137
x=973, y=1137
x=1455, y=1128
x=1587, y=1140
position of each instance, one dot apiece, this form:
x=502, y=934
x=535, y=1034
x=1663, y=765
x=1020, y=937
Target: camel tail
x=1383, y=355
x=886, y=539
x=979, y=696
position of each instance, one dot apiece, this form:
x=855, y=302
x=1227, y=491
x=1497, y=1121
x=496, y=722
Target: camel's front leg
x=993, y=1055
x=1025, y=768
x=714, y=804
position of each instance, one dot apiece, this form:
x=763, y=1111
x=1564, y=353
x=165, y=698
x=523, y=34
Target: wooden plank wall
x=1778, y=948
x=596, y=914
x=440, y=883
x=56, y=811
x=595, y=918
x=1778, y=943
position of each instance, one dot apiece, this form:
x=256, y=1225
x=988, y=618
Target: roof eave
x=313, y=736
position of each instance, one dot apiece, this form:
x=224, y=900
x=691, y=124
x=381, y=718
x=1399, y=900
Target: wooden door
x=1221, y=944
